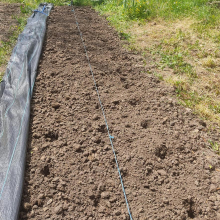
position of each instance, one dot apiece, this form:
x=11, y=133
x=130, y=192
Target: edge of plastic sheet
x=15, y=96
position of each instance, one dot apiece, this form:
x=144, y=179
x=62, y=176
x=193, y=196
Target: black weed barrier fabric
x=15, y=95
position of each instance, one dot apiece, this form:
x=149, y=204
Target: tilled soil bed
x=71, y=173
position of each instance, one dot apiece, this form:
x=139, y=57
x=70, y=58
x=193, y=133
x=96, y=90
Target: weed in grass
x=1, y=76
x=217, y=53
x=176, y=61
x=181, y=86
x=209, y=62
x=25, y=9
x=124, y=36
x=137, y=9
x=214, y=146
x=202, y=54
x=158, y=75
x=215, y=108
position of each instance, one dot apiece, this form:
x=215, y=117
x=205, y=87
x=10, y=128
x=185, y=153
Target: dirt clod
x=58, y=209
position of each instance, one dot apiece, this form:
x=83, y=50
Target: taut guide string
x=103, y=112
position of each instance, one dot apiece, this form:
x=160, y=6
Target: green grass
x=168, y=9
x=6, y=46
x=207, y=15
x=87, y=2
x=122, y=12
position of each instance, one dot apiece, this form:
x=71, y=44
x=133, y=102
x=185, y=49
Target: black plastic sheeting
x=15, y=95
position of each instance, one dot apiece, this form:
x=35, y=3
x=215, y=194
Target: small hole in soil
x=146, y=186
x=116, y=102
x=102, y=128
x=45, y=170
x=145, y=123
x=190, y=206
x=133, y=102
x=52, y=135
x=97, y=106
x=126, y=86
x=124, y=172
x=161, y=151
x=79, y=150
x=122, y=79
x=96, y=202
x=191, y=211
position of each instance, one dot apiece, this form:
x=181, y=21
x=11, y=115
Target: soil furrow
x=168, y=171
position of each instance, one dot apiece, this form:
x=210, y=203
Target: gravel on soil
x=168, y=172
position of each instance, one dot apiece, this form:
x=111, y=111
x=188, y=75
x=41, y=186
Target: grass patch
x=6, y=47
x=205, y=13
x=180, y=43
x=87, y=2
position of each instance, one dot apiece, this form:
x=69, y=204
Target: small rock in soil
x=49, y=201
x=213, y=188
x=105, y=195
x=58, y=209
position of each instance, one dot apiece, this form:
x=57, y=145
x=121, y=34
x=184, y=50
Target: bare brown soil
x=7, y=19
x=168, y=171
